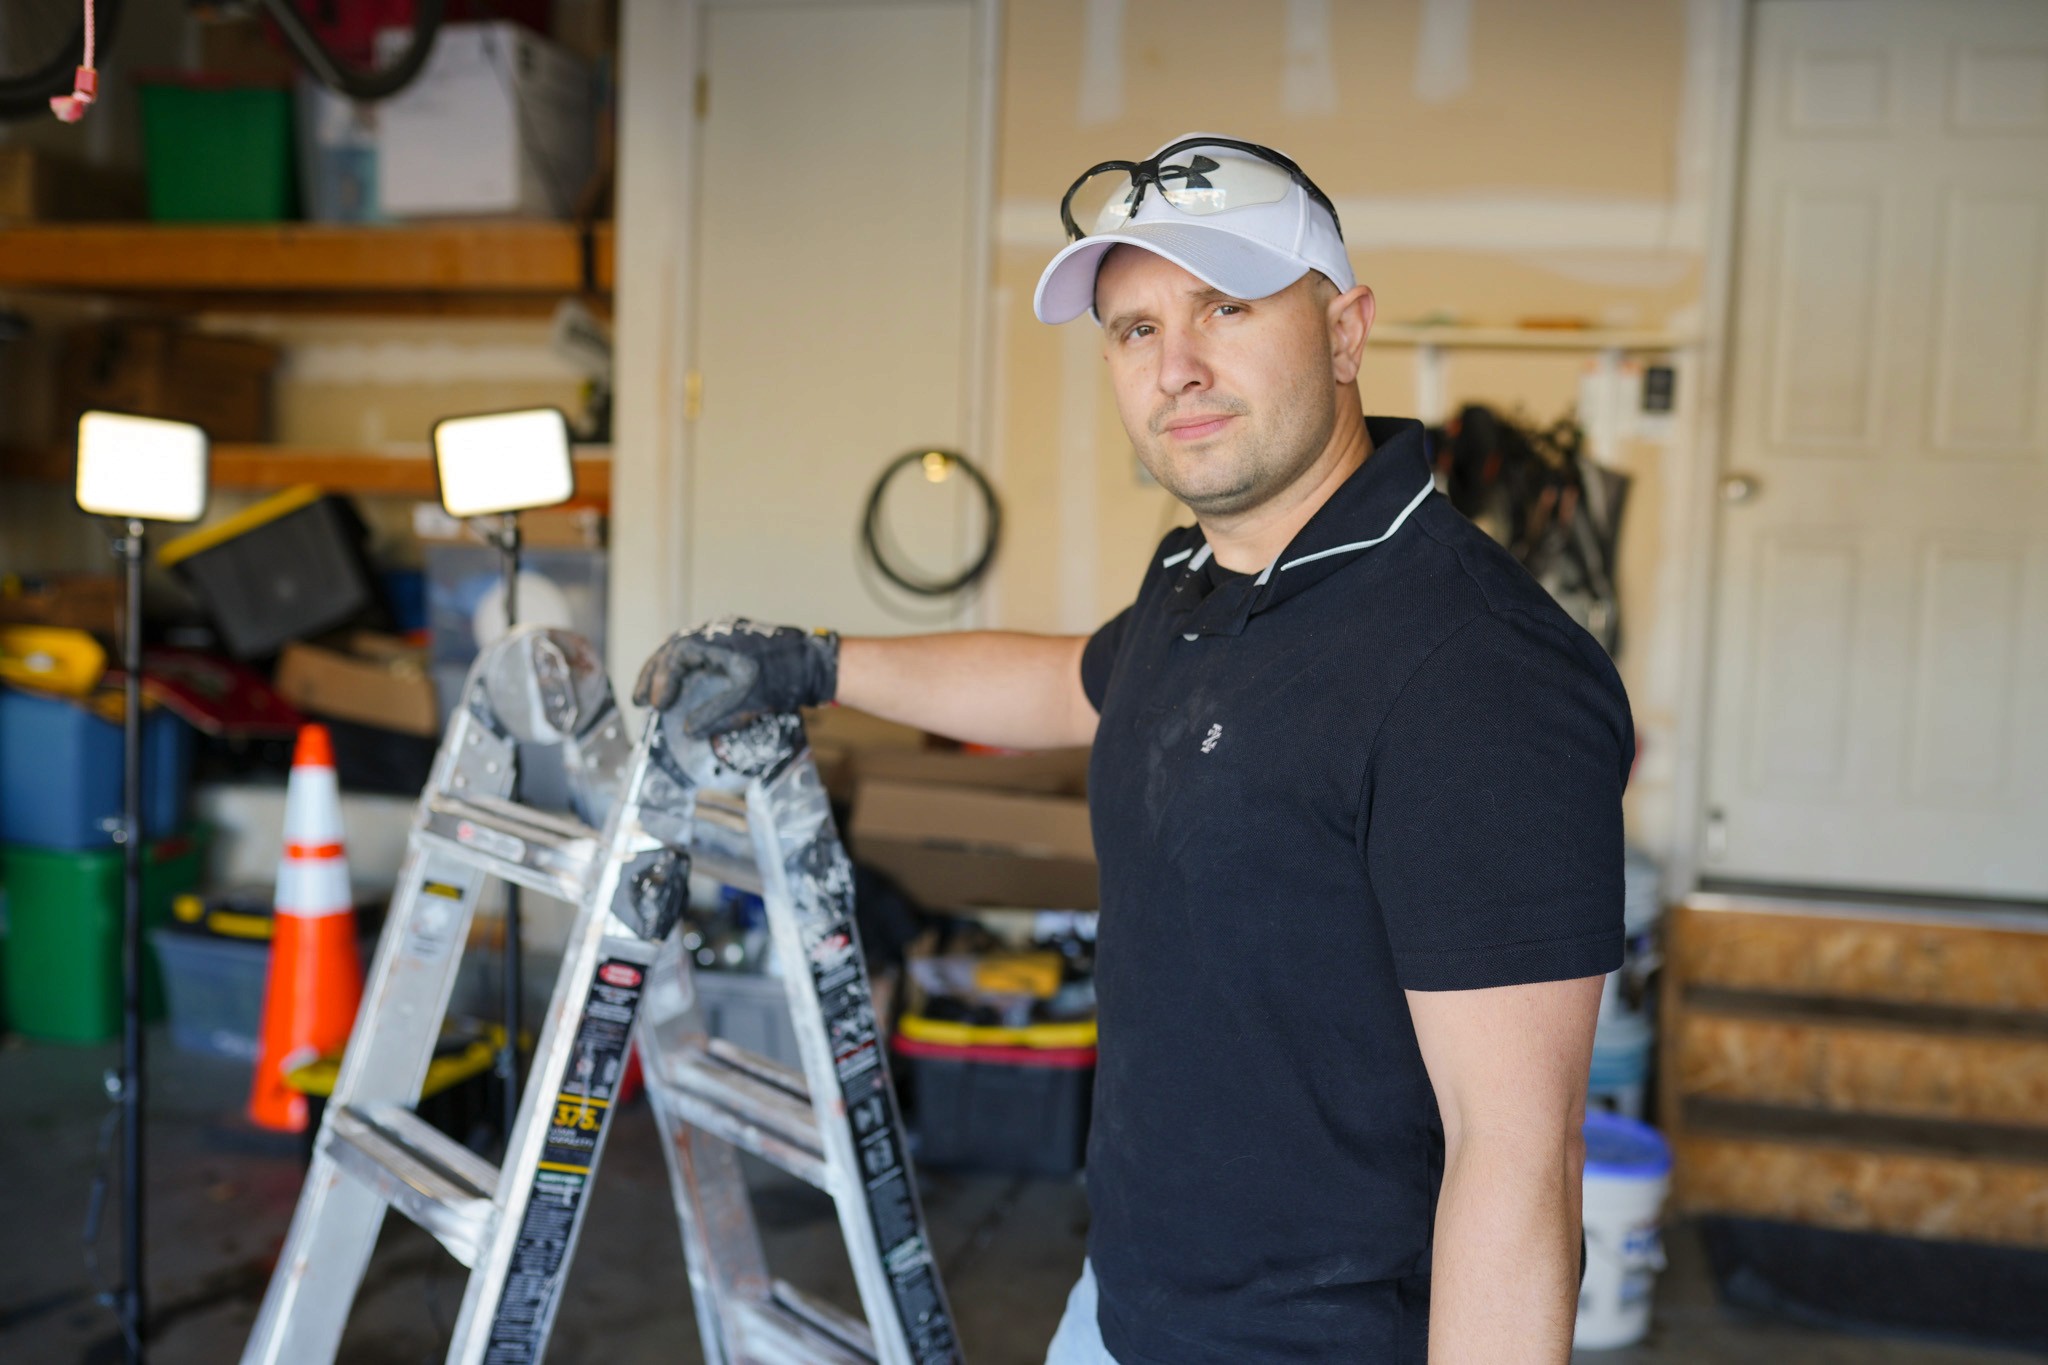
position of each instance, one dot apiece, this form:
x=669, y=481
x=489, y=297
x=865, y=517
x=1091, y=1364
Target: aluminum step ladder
x=748, y=809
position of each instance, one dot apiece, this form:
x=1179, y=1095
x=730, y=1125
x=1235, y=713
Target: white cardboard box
x=499, y=122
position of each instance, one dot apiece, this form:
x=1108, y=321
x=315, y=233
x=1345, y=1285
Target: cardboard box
x=955, y=847
x=501, y=121
x=840, y=737
x=36, y=187
x=154, y=369
x=1050, y=772
x=380, y=681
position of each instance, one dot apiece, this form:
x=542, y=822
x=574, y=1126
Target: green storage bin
x=217, y=152
x=63, y=964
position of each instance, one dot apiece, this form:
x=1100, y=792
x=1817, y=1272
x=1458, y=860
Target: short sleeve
x=1492, y=829
x=1098, y=658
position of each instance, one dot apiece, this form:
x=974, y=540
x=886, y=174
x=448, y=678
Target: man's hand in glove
x=726, y=673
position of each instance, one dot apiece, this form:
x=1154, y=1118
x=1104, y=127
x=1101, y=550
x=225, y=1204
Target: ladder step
x=548, y=853
x=757, y=1105
x=794, y=1326
x=420, y=1171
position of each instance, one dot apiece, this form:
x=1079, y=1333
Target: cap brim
x=1217, y=257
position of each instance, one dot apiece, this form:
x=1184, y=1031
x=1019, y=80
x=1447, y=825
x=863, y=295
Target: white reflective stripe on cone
x=313, y=886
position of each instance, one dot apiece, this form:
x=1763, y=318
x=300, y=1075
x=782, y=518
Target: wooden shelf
x=266, y=468
x=372, y=264
x=1528, y=338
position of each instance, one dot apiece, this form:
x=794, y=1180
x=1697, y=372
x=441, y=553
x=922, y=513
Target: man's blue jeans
x=1078, y=1340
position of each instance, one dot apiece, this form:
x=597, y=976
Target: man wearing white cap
x=1356, y=795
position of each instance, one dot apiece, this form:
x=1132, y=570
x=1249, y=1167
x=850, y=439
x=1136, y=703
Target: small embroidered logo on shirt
x=1210, y=740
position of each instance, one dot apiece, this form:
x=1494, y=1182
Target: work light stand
x=506, y=538
x=127, y=1089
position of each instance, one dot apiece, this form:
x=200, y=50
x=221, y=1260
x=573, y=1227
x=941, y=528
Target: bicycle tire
x=29, y=94
x=336, y=75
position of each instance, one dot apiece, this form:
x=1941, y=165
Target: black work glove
x=726, y=673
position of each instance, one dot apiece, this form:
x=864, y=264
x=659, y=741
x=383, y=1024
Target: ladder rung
x=420, y=1171
x=750, y=1102
x=721, y=845
x=793, y=1326
x=548, y=853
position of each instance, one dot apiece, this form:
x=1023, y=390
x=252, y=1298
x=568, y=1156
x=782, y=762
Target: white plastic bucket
x=1621, y=1063
x=1628, y=1169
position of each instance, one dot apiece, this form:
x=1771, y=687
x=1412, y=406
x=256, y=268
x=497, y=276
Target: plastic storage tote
x=1014, y=1100
x=216, y=989
x=217, y=151
x=60, y=772
x=286, y=568
x=64, y=934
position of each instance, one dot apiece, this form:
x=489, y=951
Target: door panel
x=836, y=256
x=1881, y=629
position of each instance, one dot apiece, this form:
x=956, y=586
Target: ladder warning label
x=847, y=1009
x=562, y=1175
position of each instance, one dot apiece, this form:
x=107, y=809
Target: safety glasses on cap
x=1189, y=178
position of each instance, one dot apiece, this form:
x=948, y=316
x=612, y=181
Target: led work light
x=501, y=462
x=141, y=468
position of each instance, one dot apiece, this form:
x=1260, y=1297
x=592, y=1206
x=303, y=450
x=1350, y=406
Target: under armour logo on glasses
x=1195, y=175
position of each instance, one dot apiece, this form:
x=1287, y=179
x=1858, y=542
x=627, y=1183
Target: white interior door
x=835, y=284
x=1880, y=688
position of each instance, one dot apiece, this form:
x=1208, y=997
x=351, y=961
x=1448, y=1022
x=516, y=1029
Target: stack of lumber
x=1859, y=1068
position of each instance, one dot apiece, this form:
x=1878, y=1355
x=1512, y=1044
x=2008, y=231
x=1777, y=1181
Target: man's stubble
x=1266, y=451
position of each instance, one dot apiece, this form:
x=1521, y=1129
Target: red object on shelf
x=215, y=696
x=349, y=27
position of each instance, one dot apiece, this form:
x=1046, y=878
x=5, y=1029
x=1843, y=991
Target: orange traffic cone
x=316, y=975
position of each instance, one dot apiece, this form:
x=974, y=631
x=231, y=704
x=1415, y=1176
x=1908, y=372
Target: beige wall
x=1560, y=180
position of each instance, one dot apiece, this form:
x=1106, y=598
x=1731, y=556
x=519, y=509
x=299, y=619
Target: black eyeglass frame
x=1146, y=172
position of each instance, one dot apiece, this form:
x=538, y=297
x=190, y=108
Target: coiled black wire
x=871, y=532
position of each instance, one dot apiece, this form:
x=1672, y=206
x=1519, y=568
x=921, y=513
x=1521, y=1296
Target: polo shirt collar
x=1366, y=510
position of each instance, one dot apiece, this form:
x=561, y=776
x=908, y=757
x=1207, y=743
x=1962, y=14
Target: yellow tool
x=51, y=659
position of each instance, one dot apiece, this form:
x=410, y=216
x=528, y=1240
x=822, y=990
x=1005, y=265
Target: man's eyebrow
x=1204, y=294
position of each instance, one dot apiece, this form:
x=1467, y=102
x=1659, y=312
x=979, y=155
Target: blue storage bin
x=60, y=772
x=216, y=990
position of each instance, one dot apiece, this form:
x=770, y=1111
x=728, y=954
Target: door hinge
x=693, y=395
x=703, y=94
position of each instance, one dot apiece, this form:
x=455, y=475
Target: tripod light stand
x=135, y=470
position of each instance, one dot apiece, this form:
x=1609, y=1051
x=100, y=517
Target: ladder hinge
x=703, y=94
x=693, y=395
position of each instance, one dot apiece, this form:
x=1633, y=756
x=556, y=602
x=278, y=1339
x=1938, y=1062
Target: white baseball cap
x=1237, y=221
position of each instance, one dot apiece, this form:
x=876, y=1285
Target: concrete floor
x=222, y=1195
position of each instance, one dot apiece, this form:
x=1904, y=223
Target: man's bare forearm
x=984, y=687
x=1504, y=1287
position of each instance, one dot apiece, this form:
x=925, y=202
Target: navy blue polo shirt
x=1389, y=762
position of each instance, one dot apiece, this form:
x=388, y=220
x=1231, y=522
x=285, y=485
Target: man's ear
x=1349, y=316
